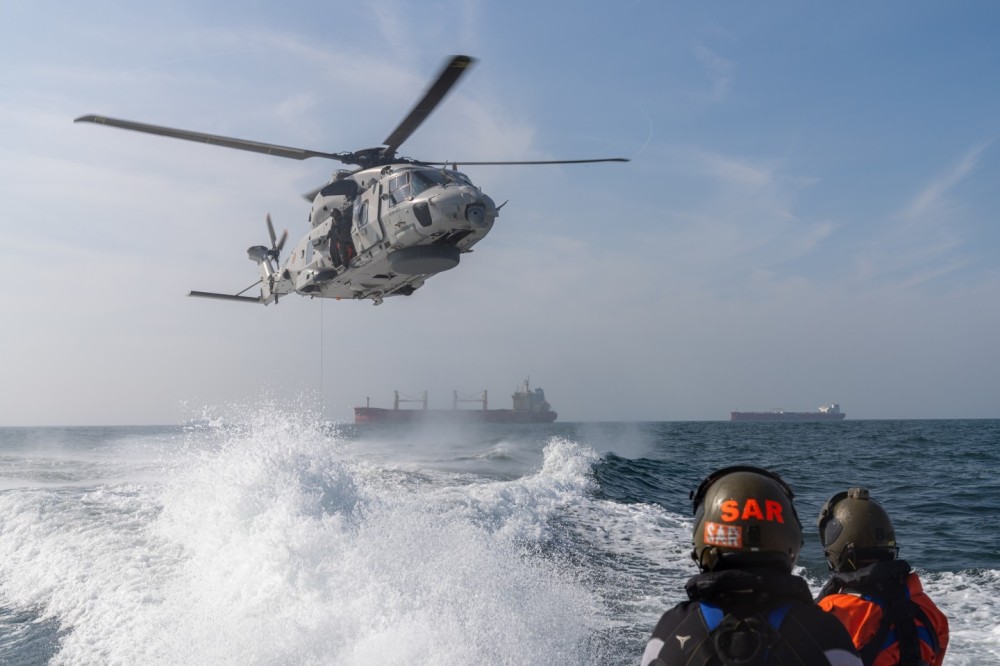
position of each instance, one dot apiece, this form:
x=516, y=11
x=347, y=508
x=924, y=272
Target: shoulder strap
x=746, y=641
x=684, y=641
x=777, y=615
x=898, y=624
x=925, y=633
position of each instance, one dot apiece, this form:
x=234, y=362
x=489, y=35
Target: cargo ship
x=529, y=406
x=830, y=412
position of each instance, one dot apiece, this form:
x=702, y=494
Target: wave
x=272, y=544
x=266, y=538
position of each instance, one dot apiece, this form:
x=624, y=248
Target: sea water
x=268, y=537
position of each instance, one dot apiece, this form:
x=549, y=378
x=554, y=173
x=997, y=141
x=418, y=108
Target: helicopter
x=378, y=230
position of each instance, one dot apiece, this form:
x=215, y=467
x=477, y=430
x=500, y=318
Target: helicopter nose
x=475, y=213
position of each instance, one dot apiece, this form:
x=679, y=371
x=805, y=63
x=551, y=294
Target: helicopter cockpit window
x=459, y=177
x=427, y=178
x=399, y=188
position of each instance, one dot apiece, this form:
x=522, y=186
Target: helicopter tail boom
x=226, y=297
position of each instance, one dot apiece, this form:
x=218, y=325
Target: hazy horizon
x=809, y=214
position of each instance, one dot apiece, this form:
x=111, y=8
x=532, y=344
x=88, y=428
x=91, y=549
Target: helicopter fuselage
x=379, y=232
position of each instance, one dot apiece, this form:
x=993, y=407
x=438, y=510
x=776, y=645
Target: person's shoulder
x=676, y=614
x=841, y=600
x=809, y=612
x=914, y=584
x=808, y=625
x=916, y=589
x=814, y=620
x=924, y=601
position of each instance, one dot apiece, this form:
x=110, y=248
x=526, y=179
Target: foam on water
x=266, y=539
x=270, y=545
x=971, y=600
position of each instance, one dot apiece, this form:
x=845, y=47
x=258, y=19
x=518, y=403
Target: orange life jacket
x=862, y=615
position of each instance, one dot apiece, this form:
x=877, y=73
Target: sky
x=811, y=212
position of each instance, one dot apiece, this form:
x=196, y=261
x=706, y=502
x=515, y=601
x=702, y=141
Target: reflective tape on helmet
x=727, y=536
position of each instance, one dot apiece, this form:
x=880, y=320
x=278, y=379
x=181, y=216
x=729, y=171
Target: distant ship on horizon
x=529, y=406
x=828, y=412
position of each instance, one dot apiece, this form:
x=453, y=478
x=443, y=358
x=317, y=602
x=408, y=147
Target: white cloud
x=932, y=202
x=925, y=240
x=682, y=285
x=719, y=70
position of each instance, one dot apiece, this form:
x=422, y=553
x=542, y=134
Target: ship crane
x=528, y=406
x=479, y=397
x=422, y=399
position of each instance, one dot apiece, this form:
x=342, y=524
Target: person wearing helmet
x=746, y=607
x=876, y=596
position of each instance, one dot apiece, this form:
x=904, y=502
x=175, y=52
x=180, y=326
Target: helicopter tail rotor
x=276, y=243
x=273, y=281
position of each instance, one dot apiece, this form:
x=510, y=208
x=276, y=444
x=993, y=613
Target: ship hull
x=785, y=416
x=382, y=415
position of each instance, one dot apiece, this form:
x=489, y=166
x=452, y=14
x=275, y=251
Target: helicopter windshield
x=399, y=188
x=426, y=178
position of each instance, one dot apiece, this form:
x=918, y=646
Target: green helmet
x=855, y=530
x=744, y=516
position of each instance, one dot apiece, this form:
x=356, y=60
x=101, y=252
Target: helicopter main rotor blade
x=214, y=139
x=446, y=79
x=600, y=159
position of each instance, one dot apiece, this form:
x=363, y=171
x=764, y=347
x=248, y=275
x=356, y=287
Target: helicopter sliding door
x=367, y=230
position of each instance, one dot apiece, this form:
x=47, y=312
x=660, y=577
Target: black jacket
x=748, y=617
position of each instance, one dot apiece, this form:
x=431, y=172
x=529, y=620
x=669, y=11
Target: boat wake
x=270, y=541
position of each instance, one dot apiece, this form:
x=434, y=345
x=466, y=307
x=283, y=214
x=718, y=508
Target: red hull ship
x=529, y=406
x=829, y=412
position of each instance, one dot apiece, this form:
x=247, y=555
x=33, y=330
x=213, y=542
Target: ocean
x=267, y=537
